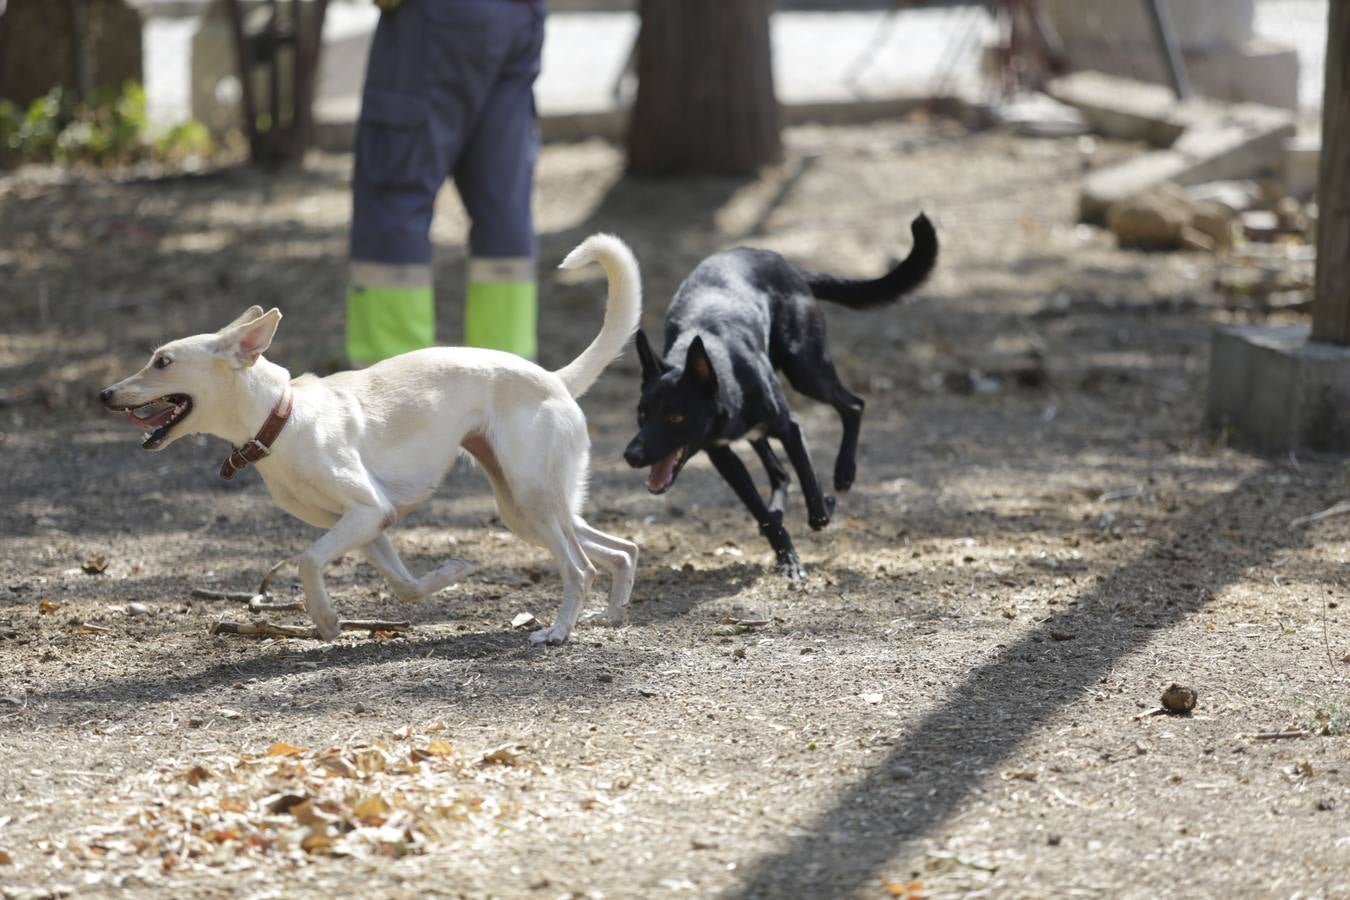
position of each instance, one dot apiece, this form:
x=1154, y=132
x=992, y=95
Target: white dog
x=354, y=451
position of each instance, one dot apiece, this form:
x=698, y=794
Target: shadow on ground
x=1003, y=702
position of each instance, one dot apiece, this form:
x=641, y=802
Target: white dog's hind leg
x=358, y=526
x=405, y=585
x=618, y=557
x=577, y=575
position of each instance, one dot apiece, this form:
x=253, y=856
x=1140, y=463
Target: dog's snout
x=106, y=396
x=634, y=455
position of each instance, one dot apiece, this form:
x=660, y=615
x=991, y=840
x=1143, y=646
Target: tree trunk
x=282, y=62
x=705, y=98
x=86, y=47
x=1331, y=296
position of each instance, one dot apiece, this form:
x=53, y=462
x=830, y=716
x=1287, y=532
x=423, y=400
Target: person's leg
x=495, y=177
x=390, y=306
x=433, y=64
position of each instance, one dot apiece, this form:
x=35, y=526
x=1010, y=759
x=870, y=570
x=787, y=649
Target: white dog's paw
x=449, y=573
x=606, y=617
x=329, y=631
x=554, y=634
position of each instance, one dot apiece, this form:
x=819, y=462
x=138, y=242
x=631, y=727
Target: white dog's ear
x=247, y=315
x=243, y=344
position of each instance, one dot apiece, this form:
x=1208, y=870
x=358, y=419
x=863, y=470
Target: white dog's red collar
x=261, y=443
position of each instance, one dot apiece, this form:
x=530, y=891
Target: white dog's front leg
x=358, y=526
x=406, y=586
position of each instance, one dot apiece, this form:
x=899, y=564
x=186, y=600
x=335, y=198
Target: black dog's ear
x=698, y=366
x=652, y=365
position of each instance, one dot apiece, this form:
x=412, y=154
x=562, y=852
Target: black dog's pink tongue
x=662, y=473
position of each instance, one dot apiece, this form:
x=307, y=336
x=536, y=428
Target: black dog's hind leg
x=778, y=476
x=817, y=379
x=733, y=471
x=818, y=507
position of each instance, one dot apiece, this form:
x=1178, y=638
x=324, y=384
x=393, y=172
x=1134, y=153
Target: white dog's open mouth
x=160, y=416
x=663, y=473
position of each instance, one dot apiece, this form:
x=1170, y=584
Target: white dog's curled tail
x=622, y=311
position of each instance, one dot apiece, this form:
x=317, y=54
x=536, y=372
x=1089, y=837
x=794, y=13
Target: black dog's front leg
x=818, y=507
x=778, y=476
x=733, y=471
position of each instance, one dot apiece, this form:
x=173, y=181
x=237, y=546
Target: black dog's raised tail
x=890, y=287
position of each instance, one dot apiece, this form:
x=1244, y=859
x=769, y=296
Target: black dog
x=737, y=318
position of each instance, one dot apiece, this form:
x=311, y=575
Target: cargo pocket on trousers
x=393, y=142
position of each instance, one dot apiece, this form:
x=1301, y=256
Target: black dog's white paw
x=791, y=568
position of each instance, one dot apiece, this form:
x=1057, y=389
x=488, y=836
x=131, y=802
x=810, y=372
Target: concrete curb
x=335, y=120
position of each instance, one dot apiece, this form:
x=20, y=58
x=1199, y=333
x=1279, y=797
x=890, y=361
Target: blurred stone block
x=1298, y=168
x=1205, y=140
x=1279, y=391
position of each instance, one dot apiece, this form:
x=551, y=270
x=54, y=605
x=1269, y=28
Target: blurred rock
x=1237, y=196
x=1167, y=218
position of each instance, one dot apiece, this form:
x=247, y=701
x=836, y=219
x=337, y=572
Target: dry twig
x=259, y=601
x=1278, y=735
x=1339, y=509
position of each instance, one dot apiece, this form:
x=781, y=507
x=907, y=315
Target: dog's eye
x=163, y=362
x=674, y=419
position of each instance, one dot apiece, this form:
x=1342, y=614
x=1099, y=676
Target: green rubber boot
x=502, y=315
x=384, y=322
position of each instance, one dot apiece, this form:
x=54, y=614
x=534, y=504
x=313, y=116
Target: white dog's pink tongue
x=153, y=420
x=662, y=473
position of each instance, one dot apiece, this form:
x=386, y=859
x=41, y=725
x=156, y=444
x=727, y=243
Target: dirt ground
x=956, y=703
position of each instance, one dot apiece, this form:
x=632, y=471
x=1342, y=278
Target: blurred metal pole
x=1167, y=45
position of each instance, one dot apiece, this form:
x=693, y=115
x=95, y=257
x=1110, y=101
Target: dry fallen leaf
x=306, y=813
x=233, y=804
x=47, y=606
x=370, y=761
x=338, y=766
x=910, y=890
x=524, y=619
x=289, y=802
x=6, y=859
x=87, y=628
x=505, y=755
x=95, y=565
x=317, y=839
x=373, y=807
x=282, y=803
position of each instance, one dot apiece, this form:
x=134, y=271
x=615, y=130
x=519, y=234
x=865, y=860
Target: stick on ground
x=259, y=601
x=1339, y=509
